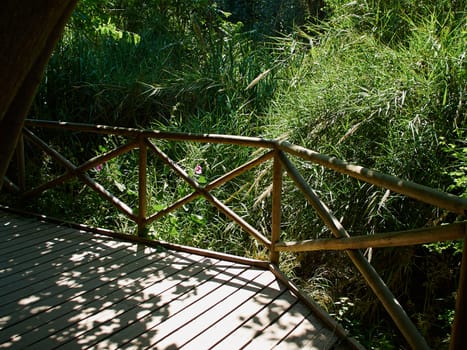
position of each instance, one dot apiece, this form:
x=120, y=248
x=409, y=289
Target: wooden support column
x=459, y=334
x=276, y=208
x=142, y=187
x=21, y=164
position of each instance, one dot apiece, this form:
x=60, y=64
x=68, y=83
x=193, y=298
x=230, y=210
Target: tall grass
x=362, y=90
x=200, y=65
x=352, y=96
x=99, y=80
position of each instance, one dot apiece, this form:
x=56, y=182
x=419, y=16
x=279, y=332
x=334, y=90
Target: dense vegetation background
x=378, y=83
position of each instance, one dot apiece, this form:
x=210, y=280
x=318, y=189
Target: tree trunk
x=29, y=31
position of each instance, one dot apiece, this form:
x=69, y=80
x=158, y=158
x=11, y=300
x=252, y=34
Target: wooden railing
x=279, y=152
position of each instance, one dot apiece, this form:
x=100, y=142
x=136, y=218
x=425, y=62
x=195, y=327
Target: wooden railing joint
x=142, y=186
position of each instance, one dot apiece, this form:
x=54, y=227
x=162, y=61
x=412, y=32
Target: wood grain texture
x=65, y=288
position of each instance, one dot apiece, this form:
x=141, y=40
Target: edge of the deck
x=136, y=239
x=309, y=302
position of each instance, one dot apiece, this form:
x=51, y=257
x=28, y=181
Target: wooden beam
x=11, y=185
x=422, y=193
x=212, y=199
x=154, y=134
x=212, y=185
x=21, y=165
x=410, y=189
x=29, y=31
x=142, y=186
x=459, y=334
x=91, y=163
x=276, y=208
x=116, y=202
x=379, y=240
x=239, y=171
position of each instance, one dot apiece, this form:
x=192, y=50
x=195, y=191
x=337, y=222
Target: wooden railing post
x=21, y=164
x=142, y=187
x=459, y=335
x=276, y=208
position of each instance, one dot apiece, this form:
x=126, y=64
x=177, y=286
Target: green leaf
x=121, y=187
x=199, y=219
x=202, y=180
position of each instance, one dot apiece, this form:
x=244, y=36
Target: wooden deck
x=62, y=287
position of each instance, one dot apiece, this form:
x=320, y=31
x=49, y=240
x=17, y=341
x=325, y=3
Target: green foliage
x=186, y=59
x=377, y=83
x=390, y=21
x=88, y=15
x=349, y=95
x=268, y=17
x=457, y=170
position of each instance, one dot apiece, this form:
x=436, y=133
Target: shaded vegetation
x=378, y=83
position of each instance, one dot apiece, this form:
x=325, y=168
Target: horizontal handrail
x=410, y=189
x=280, y=152
x=423, y=235
x=153, y=134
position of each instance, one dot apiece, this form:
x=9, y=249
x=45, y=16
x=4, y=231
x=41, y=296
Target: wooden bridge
x=65, y=287
x=62, y=286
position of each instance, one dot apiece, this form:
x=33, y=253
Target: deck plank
x=64, y=260
x=62, y=288
x=118, y=274
x=173, y=307
x=278, y=330
x=38, y=255
x=16, y=225
x=234, y=318
x=20, y=226
x=216, y=306
x=89, y=324
x=255, y=324
x=185, y=312
x=306, y=336
x=30, y=238
x=137, y=314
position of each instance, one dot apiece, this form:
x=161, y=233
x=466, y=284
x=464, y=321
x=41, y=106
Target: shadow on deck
x=63, y=287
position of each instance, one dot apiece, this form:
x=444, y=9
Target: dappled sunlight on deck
x=60, y=287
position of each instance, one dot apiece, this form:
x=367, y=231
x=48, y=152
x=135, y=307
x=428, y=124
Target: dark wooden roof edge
x=133, y=238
